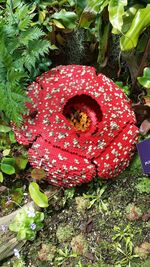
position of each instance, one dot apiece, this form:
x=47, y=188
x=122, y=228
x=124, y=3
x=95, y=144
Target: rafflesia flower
x=80, y=125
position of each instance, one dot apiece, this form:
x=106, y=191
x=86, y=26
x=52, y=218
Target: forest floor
x=100, y=224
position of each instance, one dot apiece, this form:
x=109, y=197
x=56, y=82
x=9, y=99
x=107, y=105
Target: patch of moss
x=64, y=232
x=47, y=252
x=82, y=204
x=79, y=245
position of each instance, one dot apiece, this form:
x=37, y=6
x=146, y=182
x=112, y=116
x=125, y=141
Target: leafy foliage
x=145, y=79
x=144, y=185
x=21, y=48
x=139, y=23
x=9, y=164
x=26, y=223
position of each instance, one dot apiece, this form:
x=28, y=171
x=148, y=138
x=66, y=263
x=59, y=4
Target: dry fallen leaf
x=145, y=126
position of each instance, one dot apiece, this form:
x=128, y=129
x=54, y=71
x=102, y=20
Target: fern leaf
x=24, y=24
x=30, y=35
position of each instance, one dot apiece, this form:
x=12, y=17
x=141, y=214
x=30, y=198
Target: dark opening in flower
x=83, y=113
x=82, y=126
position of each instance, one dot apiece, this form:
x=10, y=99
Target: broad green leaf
x=1, y=177
x=140, y=22
x=91, y=10
x=21, y=162
x=86, y=19
x=129, y=16
x=58, y=24
x=145, y=80
x=67, y=18
x=38, y=197
x=4, y=129
x=42, y=15
x=8, y=169
x=96, y=6
x=116, y=12
x=10, y=161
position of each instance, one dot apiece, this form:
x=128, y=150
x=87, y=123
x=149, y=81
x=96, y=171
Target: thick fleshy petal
x=62, y=167
x=117, y=156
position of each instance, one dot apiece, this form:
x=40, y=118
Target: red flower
x=80, y=125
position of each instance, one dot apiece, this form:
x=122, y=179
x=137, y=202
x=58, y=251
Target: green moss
x=47, y=252
x=82, y=204
x=64, y=232
x=79, y=245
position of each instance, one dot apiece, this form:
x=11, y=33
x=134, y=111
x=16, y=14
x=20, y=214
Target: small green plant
x=9, y=164
x=18, y=263
x=27, y=223
x=96, y=199
x=125, y=254
x=123, y=246
x=144, y=185
x=68, y=194
x=64, y=255
x=122, y=234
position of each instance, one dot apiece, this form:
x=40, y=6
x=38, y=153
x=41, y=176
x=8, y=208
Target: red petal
x=63, y=168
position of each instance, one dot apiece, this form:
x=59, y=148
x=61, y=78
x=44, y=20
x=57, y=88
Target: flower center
x=79, y=119
x=83, y=113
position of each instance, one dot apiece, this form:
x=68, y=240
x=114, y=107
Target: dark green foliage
x=21, y=48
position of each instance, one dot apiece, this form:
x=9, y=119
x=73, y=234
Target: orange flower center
x=79, y=120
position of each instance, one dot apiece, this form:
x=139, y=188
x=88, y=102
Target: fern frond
x=12, y=104
x=29, y=62
x=21, y=48
x=30, y=35
x=39, y=48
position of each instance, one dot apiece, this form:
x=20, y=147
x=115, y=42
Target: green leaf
x=12, y=137
x=9, y=161
x=140, y=22
x=93, y=7
x=21, y=234
x=67, y=18
x=129, y=16
x=96, y=6
x=1, y=177
x=58, y=24
x=8, y=169
x=145, y=79
x=42, y=15
x=116, y=12
x=4, y=129
x=21, y=162
x=38, y=197
x=6, y=152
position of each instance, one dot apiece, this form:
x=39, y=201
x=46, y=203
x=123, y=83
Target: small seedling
x=68, y=194
x=123, y=246
x=64, y=255
x=96, y=199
